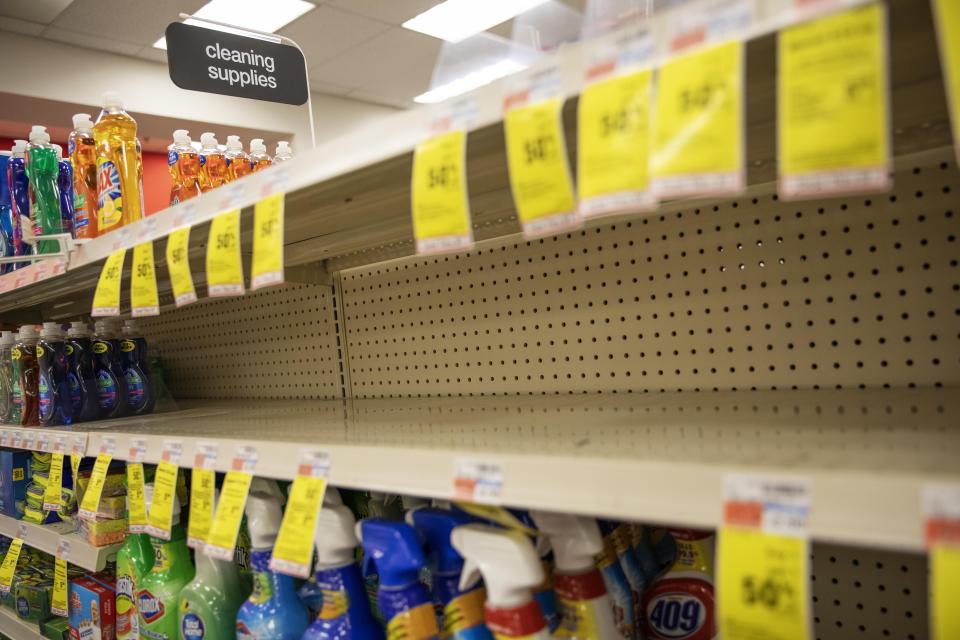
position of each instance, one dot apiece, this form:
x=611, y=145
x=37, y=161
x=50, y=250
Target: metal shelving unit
x=17, y=629
x=46, y=537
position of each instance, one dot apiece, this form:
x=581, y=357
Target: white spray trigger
x=469, y=575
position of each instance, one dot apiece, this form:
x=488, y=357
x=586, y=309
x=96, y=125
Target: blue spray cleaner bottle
x=19, y=185
x=393, y=549
x=273, y=611
x=344, y=609
x=80, y=375
x=65, y=187
x=460, y=612
x=6, y=221
x=111, y=382
x=53, y=387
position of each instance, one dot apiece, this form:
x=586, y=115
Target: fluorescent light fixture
x=454, y=20
x=247, y=14
x=470, y=81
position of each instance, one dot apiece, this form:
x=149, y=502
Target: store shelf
x=46, y=537
x=654, y=458
x=16, y=629
x=349, y=197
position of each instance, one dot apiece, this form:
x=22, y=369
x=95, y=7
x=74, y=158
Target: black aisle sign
x=232, y=65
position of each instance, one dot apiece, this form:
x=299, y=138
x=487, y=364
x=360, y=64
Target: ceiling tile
x=91, y=41
x=393, y=12
x=139, y=21
x=325, y=32
x=42, y=11
x=152, y=53
x=395, y=54
x=378, y=98
x=20, y=26
x=328, y=89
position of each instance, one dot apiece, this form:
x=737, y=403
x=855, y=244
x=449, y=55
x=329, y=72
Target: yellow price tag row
x=144, y=299
x=53, y=493
x=267, y=266
x=91, y=497
x=136, y=500
x=224, y=265
x=106, y=298
x=202, y=485
x=293, y=550
x=178, y=264
x=9, y=565
x=440, y=205
x=226, y=523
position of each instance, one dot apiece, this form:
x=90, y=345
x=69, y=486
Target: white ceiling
x=354, y=48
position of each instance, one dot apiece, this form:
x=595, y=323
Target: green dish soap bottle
x=209, y=604
x=158, y=593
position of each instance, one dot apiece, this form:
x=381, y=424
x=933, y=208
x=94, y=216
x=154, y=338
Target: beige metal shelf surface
x=46, y=537
x=349, y=198
x=653, y=458
x=16, y=629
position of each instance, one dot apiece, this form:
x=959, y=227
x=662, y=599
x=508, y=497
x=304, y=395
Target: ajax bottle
x=461, y=612
x=83, y=158
x=81, y=378
x=43, y=172
x=284, y=152
x=19, y=185
x=238, y=162
x=52, y=387
x=140, y=399
x=273, y=611
x=111, y=381
x=119, y=166
x=24, y=355
x=134, y=560
x=681, y=603
x=65, y=188
x=6, y=379
x=158, y=593
x=258, y=155
x=184, y=164
x=393, y=550
x=213, y=164
x=511, y=569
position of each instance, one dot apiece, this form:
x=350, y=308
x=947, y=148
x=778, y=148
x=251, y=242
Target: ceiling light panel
x=247, y=14
x=454, y=20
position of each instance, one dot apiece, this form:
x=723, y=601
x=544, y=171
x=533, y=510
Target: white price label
x=172, y=451
x=29, y=440
x=63, y=549
x=60, y=444
x=778, y=505
x=205, y=456
x=17, y=440
x=478, y=481
x=43, y=442
x=138, y=450
x=78, y=446
x=108, y=445
x=245, y=459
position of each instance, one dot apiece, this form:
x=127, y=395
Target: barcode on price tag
x=205, y=456
x=478, y=481
x=138, y=450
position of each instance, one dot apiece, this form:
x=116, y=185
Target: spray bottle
x=209, y=604
x=344, y=611
x=65, y=189
x=393, y=549
x=6, y=378
x=134, y=560
x=284, y=152
x=460, y=612
x=19, y=198
x=625, y=614
x=52, y=387
x=83, y=157
x=510, y=569
x=238, y=162
x=43, y=170
x=258, y=155
x=135, y=370
x=158, y=593
x=111, y=381
x=585, y=609
x=213, y=164
x=6, y=219
x=681, y=603
x=24, y=355
x=619, y=537
x=273, y=611
x=81, y=378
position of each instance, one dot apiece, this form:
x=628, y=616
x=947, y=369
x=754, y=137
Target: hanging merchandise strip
x=266, y=268
x=233, y=499
x=144, y=299
x=833, y=121
x=53, y=492
x=224, y=266
x=202, y=486
x=537, y=157
x=947, y=16
x=178, y=265
x=91, y=497
x=440, y=204
x=136, y=500
x=763, y=570
x=293, y=550
x=160, y=517
x=58, y=603
x=941, y=507
x=106, y=298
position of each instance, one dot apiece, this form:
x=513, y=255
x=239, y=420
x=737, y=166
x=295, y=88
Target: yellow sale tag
x=202, y=482
x=91, y=497
x=137, y=505
x=944, y=587
x=293, y=551
x=144, y=300
x=947, y=14
x=160, y=518
x=226, y=522
x=58, y=606
x=178, y=264
x=106, y=298
x=52, y=494
x=832, y=103
x=224, y=267
x=697, y=137
x=440, y=206
x=267, y=267
x=613, y=145
x=539, y=172
x=9, y=565
x=497, y=514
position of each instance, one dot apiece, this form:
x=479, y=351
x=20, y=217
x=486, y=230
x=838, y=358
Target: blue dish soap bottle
x=132, y=356
x=81, y=379
x=273, y=611
x=344, y=609
x=111, y=383
x=393, y=549
x=52, y=386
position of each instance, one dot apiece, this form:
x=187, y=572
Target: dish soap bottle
x=132, y=361
x=24, y=356
x=83, y=157
x=111, y=382
x=213, y=164
x=80, y=376
x=53, y=389
x=6, y=378
x=43, y=172
x=258, y=155
x=119, y=166
x=273, y=611
x=238, y=162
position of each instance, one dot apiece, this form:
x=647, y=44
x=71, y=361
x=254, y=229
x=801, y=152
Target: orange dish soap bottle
x=238, y=162
x=258, y=155
x=184, y=164
x=213, y=164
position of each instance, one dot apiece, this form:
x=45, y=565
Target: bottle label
x=126, y=612
x=109, y=200
x=71, y=146
x=680, y=609
x=463, y=614
x=172, y=157
x=262, y=588
x=135, y=388
x=46, y=397
x=335, y=604
x=161, y=559
x=418, y=622
x=16, y=354
x=40, y=351
x=127, y=346
x=149, y=606
x=579, y=597
x=100, y=347
x=203, y=159
x=68, y=349
x=76, y=395
x=192, y=627
x=106, y=389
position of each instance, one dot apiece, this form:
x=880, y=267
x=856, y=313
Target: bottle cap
x=257, y=146
x=234, y=144
x=335, y=538
x=504, y=558
x=434, y=527
x=264, y=512
x=6, y=338
x=82, y=122
x=393, y=549
x=39, y=135
x=78, y=329
x=19, y=146
x=331, y=498
x=59, y=151
x=28, y=331
x=181, y=136
x=576, y=540
x=51, y=330
x=283, y=148
x=111, y=100
x=208, y=140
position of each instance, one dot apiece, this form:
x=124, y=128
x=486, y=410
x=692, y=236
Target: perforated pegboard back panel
x=750, y=292
x=280, y=342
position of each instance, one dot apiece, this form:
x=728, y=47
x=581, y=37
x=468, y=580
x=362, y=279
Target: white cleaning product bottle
x=284, y=152
x=511, y=570
x=585, y=610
